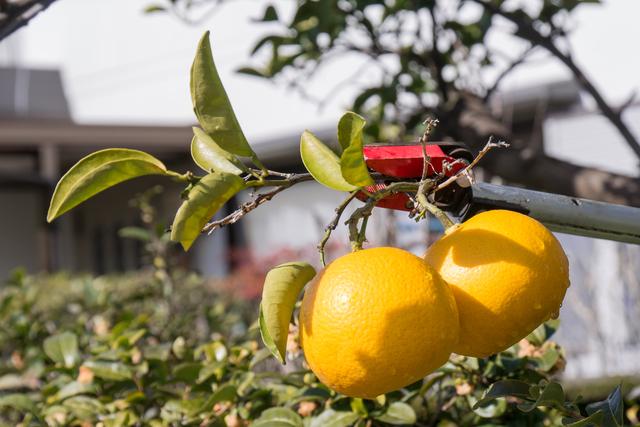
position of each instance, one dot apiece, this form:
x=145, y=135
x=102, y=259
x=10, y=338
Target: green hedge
x=121, y=351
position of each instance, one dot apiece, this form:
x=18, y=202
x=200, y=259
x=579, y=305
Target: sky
x=120, y=65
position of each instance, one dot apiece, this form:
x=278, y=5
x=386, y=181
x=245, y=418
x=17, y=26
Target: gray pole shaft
x=563, y=214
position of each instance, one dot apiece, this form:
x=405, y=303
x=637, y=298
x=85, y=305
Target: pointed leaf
x=75, y=388
x=270, y=14
x=612, y=409
x=85, y=407
x=399, y=413
x=333, y=418
x=552, y=396
x=352, y=165
x=110, y=371
x=350, y=129
x=357, y=406
x=281, y=289
x=62, y=349
x=225, y=393
x=278, y=417
x=515, y=388
x=20, y=402
x=205, y=198
x=210, y=157
x=594, y=419
x=322, y=163
x=267, y=338
x=97, y=172
x=210, y=370
x=211, y=104
x=250, y=71
x=491, y=409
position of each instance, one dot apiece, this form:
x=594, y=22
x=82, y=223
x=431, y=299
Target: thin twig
x=423, y=141
x=252, y=204
x=355, y=236
x=466, y=170
x=333, y=224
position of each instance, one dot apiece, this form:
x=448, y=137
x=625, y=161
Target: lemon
x=376, y=320
x=508, y=274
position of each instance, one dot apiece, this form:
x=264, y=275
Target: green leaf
x=110, y=371
x=333, y=418
x=544, y=331
x=75, y=388
x=210, y=157
x=205, y=198
x=546, y=361
x=154, y=9
x=211, y=104
x=552, y=396
x=322, y=163
x=187, y=372
x=137, y=233
x=350, y=129
x=352, y=165
x=612, y=409
x=491, y=409
x=261, y=355
x=97, y=172
x=282, y=287
x=399, y=413
x=278, y=417
x=20, y=402
x=267, y=338
x=225, y=393
x=62, y=349
x=209, y=370
x=190, y=407
x=270, y=14
x=84, y=407
x=250, y=71
x=215, y=351
x=357, y=406
x=311, y=394
x=595, y=419
x=515, y=388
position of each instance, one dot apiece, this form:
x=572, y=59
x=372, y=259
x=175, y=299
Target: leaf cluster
x=108, y=351
x=423, y=51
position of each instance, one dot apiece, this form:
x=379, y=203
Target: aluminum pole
x=563, y=214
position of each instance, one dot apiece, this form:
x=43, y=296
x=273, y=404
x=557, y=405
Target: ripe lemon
x=508, y=274
x=376, y=320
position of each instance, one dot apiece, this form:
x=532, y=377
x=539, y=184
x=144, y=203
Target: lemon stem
x=435, y=211
x=333, y=224
x=258, y=163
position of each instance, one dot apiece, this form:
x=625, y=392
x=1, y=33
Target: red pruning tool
x=392, y=162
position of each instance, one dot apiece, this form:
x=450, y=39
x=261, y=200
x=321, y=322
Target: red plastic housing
x=404, y=161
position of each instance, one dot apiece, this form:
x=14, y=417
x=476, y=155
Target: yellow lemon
x=508, y=274
x=376, y=320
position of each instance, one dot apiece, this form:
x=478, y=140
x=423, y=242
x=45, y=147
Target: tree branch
x=470, y=121
x=18, y=16
x=528, y=32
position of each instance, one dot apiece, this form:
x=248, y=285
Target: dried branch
x=333, y=224
x=513, y=65
x=252, y=204
x=431, y=123
x=466, y=171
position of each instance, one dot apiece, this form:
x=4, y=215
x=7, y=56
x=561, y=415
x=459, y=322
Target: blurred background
x=85, y=75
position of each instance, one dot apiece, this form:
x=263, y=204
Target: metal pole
x=563, y=214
